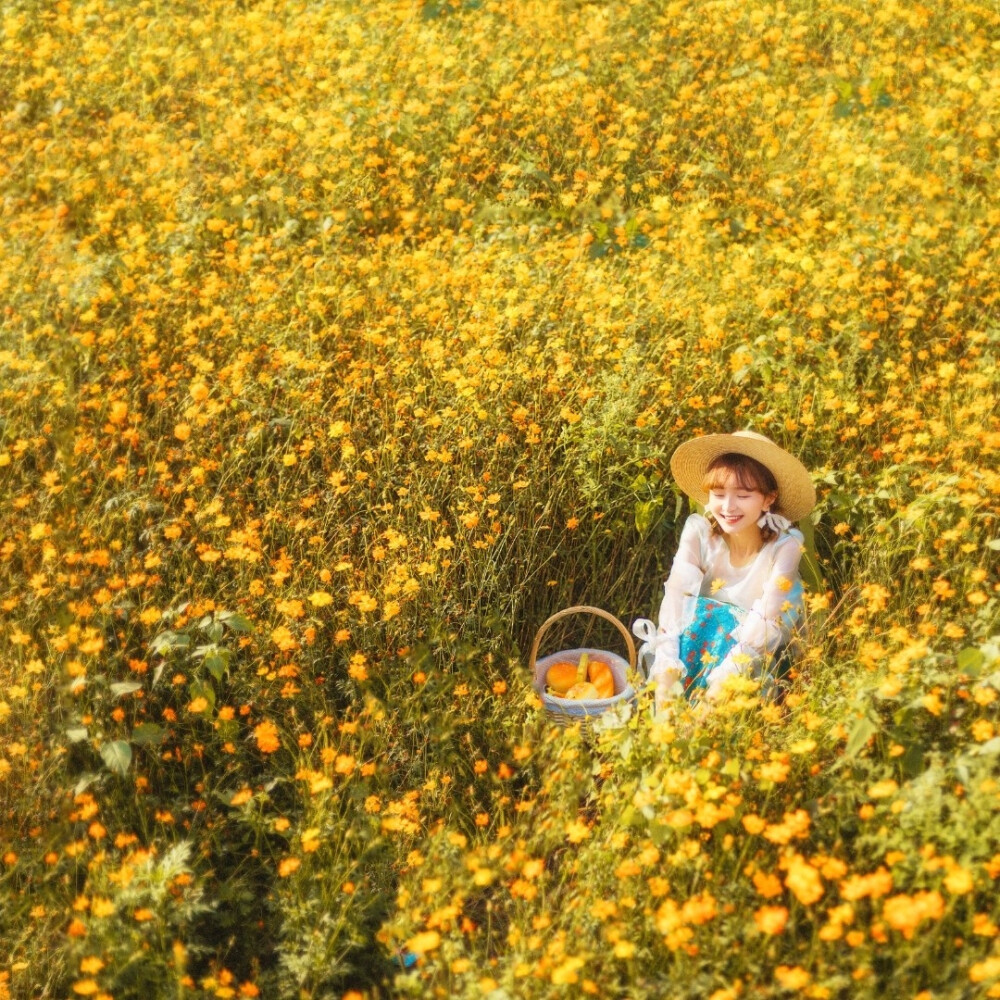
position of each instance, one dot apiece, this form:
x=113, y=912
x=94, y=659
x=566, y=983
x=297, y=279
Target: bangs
x=748, y=473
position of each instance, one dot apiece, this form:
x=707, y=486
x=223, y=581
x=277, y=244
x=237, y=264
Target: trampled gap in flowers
x=344, y=345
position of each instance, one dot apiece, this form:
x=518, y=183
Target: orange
x=599, y=674
x=560, y=677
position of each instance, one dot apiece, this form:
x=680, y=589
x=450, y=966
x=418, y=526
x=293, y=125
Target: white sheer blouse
x=768, y=588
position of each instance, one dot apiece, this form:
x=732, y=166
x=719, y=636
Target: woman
x=734, y=593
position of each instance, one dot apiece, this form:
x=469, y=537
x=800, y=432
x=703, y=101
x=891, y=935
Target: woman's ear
x=769, y=501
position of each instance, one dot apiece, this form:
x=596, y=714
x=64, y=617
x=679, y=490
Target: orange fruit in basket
x=561, y=676
x=599, y=674
x=583, y=689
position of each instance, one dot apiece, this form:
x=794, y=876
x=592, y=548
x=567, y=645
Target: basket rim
x=617, y=657
x=555, y=701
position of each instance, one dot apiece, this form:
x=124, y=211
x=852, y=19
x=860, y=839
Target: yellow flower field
x=342, y=344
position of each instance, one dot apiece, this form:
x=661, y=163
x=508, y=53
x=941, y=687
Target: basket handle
x=578, y=609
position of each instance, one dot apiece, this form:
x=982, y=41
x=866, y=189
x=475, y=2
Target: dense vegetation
x=341, y=344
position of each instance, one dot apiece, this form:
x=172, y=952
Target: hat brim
x=690, y=462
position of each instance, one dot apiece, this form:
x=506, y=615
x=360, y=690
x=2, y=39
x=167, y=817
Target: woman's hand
x=716, y=679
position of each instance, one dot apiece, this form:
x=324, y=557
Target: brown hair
x=749, y=475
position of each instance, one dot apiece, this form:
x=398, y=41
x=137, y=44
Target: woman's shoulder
x=698, y=524
x=790, y=535
x=790, y=538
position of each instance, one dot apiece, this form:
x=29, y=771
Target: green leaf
x=199, y=689
x=812, y=575
x=86, y=780
x=216, y=663
x=125, y=687
x=912, y=761
x=237, y=622
x=117, y=755
x=988, y=749
x=148, y=732
x=166, y=641
x=971, y=660
x=660, y=833
x=864, y=729
x=214, y=632
x=645, y=515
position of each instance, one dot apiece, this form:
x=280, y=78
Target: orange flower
x=771, y=919
x=288, y=866
x=803, y=880
x=906, y=913
x=266, y=734
x=767, y=884
x=699, y=909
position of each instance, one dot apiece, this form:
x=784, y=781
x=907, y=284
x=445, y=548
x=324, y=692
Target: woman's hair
x=749, y=475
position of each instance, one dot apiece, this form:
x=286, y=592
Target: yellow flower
x=243, y=796
x=793, y=979
x=932, y=702
x=959, y=881
x=987, y=969
x=883, y=789
x=982, y=730
x=100, y=907
x=566, y=974
x=424, y=942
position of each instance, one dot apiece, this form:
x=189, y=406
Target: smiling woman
x=734, y=594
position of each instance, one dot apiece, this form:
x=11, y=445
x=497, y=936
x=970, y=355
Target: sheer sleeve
x=772, y=617
x=686, y=574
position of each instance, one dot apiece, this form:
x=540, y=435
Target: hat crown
x=753, y=435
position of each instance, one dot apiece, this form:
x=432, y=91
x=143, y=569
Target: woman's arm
x=768, y=624
x=686, y=574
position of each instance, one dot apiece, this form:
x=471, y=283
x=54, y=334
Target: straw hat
x=690, y=462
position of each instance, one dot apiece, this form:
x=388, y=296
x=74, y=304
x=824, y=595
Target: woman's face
x=736, y=508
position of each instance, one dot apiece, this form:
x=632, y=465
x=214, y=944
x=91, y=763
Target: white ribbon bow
x=775, y=522
x=643, y=628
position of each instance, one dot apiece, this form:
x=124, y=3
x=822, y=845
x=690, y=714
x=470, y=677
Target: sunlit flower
x=771, y=919
x=266, y=735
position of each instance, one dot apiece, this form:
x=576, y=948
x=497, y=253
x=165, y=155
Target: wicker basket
x=566, y=711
